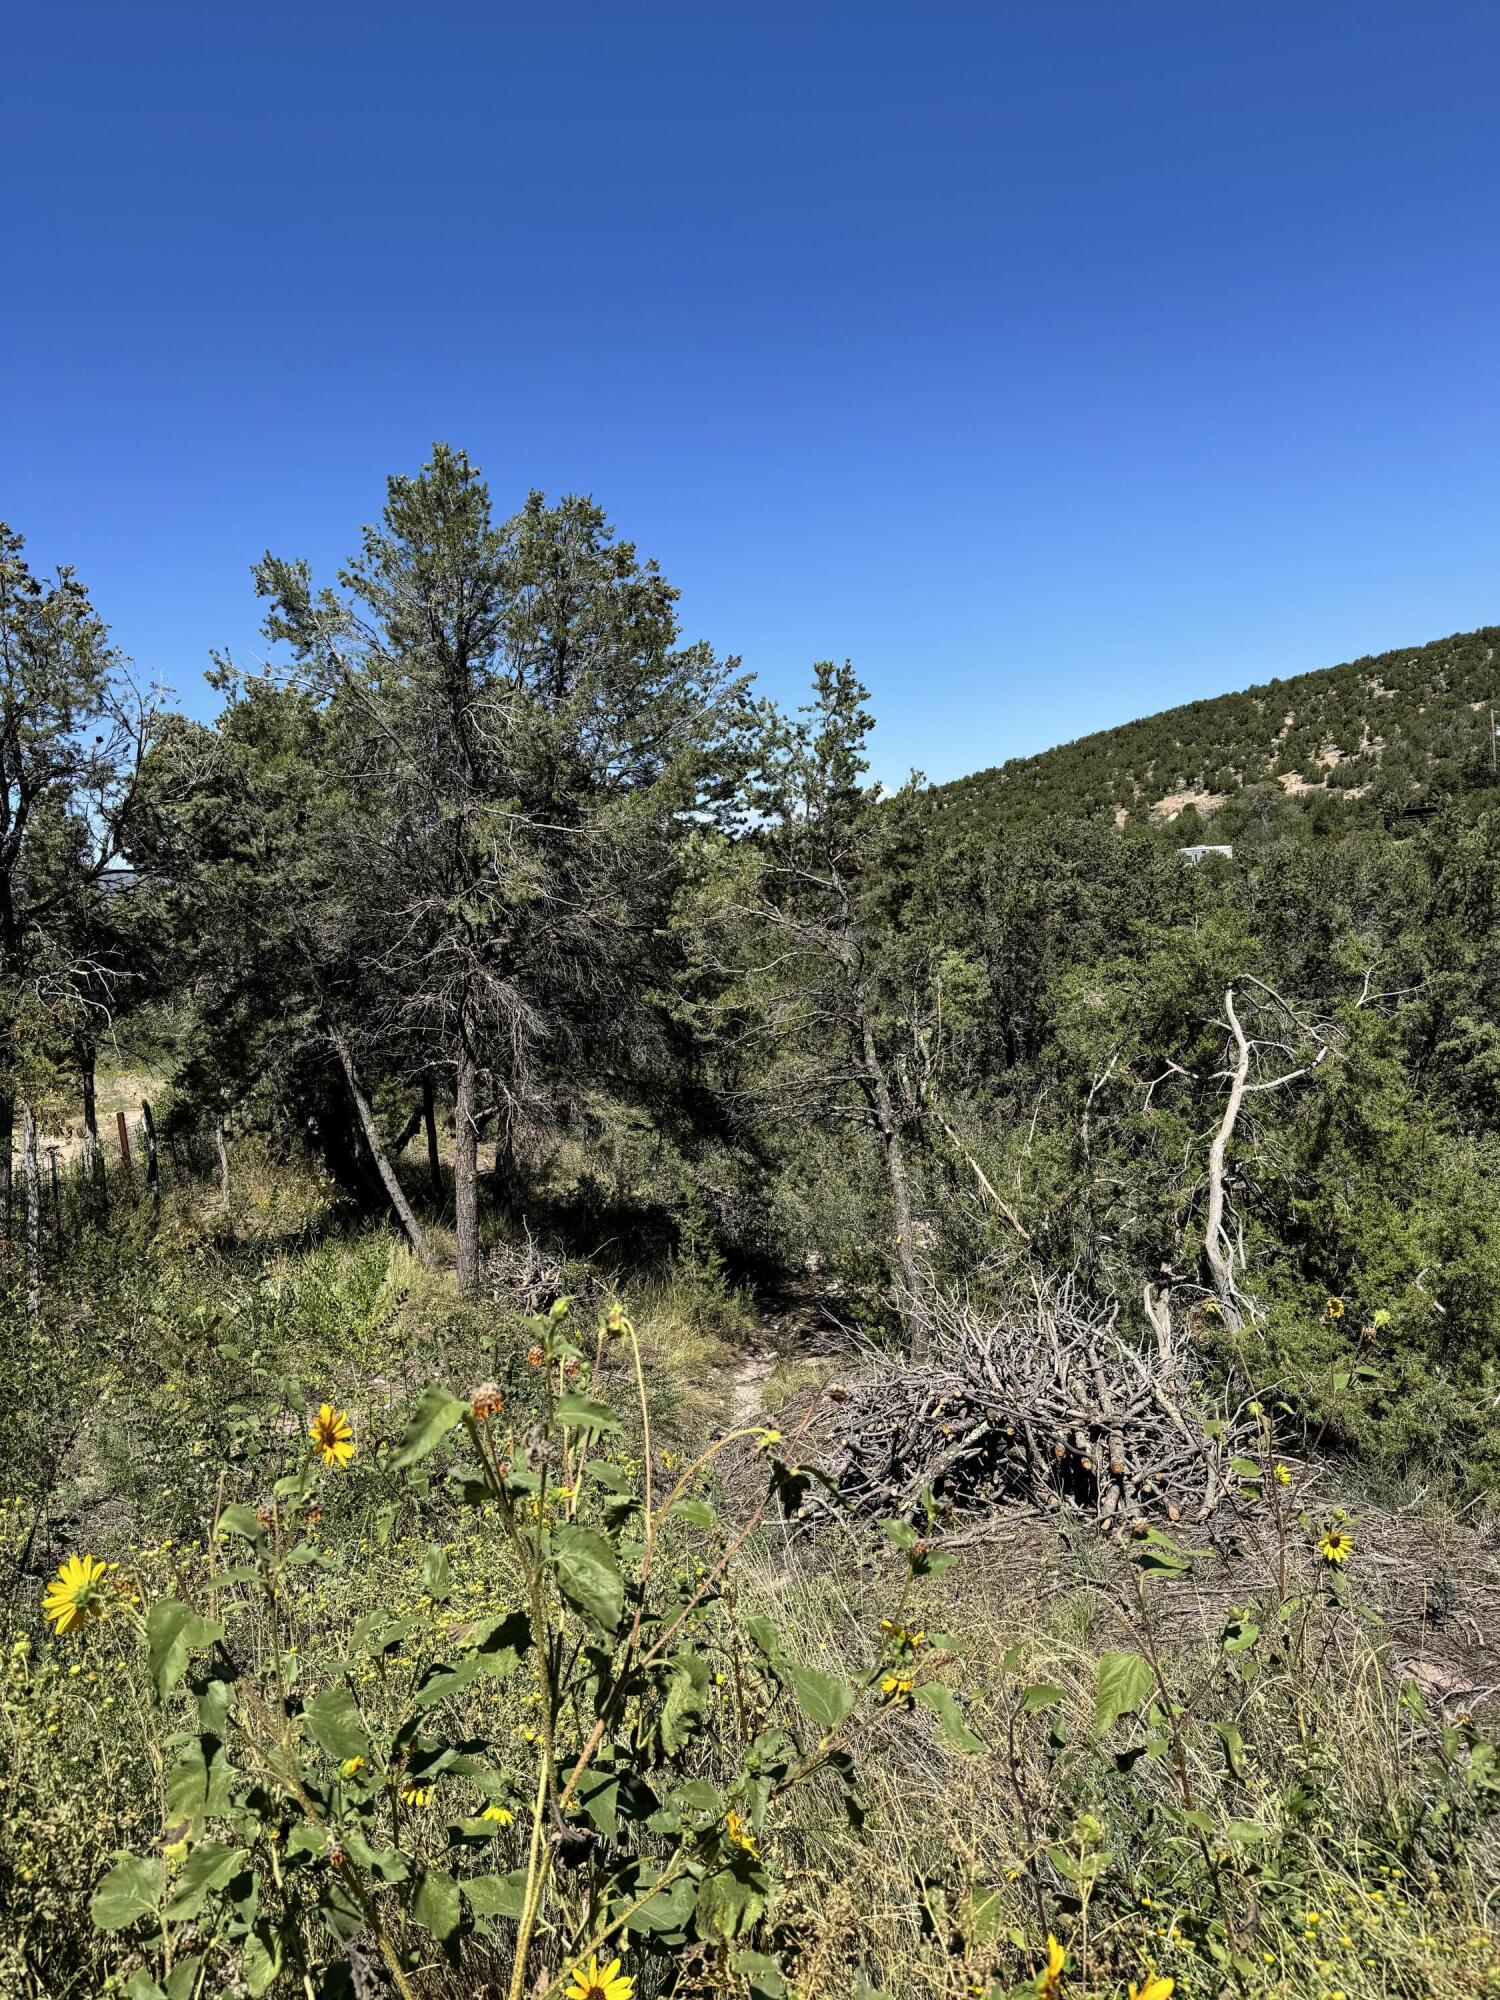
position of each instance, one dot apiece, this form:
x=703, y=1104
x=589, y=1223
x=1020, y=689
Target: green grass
x=1348, y=1842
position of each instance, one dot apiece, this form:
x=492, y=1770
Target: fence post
x=124, y=1131
x=153, y=1164
x=57, y=1222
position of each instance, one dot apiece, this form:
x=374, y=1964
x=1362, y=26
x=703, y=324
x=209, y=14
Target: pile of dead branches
x=523, y=1276
x=1042, y=1403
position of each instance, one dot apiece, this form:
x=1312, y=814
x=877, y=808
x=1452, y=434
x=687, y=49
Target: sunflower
x=902, y=1637
x=600, y=1982
x=738, y=1832
x=1334, y=1308
x=1336, y=1548
x=332, y=1433
x=501, y=1815
x=1049, y=1979
x=417, y=1795
x=76, y=1593
x=1153, y=1987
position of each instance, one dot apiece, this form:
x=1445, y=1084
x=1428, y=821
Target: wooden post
x=153, y=1164
x=124, y=1131
x=32, y=1169
x=57, y=1228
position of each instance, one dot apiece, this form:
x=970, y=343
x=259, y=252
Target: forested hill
x=1395, y=730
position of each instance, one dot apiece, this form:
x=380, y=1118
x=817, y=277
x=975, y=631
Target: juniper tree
x=523, y=735
x=794, y=936
x=73, y=729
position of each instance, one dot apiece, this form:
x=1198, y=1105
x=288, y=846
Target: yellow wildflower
x=501, y=1815
x=76, y=1593
x=1049, y=1979
x=1336, y=1548
x=737, y=1830
x=1335, y=1308
x=417, y=1795
x=600, y=1982
x=1283, y=1477
x=1152, y=1988
x=332, y=1434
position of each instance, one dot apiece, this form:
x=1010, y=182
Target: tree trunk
x=92, y=1154
x=415, y=1235
x=31, y=1168
x=153, y=1159
x=1217, y=1248
x=429, y=1119
x=7, y=1146
x=903, y=1234
x=466, y=1170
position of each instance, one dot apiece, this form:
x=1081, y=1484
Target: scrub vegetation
x=702, y=1378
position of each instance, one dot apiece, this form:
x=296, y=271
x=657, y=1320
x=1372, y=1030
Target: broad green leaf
x=209, y=1866
x=498, y=1643
x=586, y=1415
x=496, y=1895
x=436, y=1576
x=588, y=1575
x=174, y=1632
x=1041, y=1694
x=689, y=1693
x=761, y=1974
x=822, y=1697
x=767, y=1642
x=440, y=1680
x=183, y=1978
x=435, y=1906
x=729, y=1901
x=1125, y=1680
x=198, y=1782
x=433, y=1416
x=943, y=1703
x=131, y=1889
x=1234, y=1747
x=700, y=1515
x=260, y=1960
x=333, y=1721
x=240, y=1520
x=670, y=1909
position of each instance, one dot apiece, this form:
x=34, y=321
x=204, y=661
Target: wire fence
x=44, y=1210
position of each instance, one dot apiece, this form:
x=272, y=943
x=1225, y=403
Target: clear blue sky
x=1055, y=362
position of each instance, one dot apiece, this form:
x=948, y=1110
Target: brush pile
x=1041, y=1404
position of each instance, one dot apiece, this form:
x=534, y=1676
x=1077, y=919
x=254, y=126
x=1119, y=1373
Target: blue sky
x=1054, y=362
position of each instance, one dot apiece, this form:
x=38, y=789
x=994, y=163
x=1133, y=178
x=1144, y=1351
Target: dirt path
x=746, y=1384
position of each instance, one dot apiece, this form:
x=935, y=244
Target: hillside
x=1393, y=728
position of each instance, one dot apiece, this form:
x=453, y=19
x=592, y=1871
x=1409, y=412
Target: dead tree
x=1287, y=1035
x=415, y=1234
